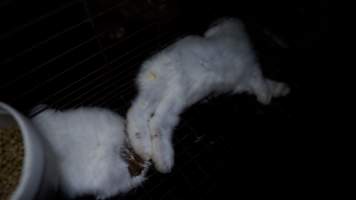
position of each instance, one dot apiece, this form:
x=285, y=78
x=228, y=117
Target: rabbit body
x=84, y=151
x=221, y=61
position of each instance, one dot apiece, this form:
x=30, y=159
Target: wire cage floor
x=72, y=53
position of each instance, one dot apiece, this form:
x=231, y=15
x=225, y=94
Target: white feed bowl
x=34, y=161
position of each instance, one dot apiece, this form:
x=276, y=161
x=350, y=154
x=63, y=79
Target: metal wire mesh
x=71, y=53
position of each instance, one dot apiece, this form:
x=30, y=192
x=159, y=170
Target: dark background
x=71, y=53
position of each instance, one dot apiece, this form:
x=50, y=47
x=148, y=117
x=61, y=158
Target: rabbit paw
x=162, y=151
x=278, y=89
x=141, y=143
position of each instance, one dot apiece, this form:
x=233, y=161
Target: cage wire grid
x=88, y=86
x=72, y=53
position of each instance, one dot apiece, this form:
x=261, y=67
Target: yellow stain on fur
x=152, y=76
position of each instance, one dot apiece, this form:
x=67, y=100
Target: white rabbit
x=87, y=152
x=221, y=61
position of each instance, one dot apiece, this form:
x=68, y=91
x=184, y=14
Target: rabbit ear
x=38, y=109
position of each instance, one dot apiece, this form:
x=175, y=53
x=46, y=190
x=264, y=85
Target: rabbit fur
x=221, y=61
x=84, y=155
